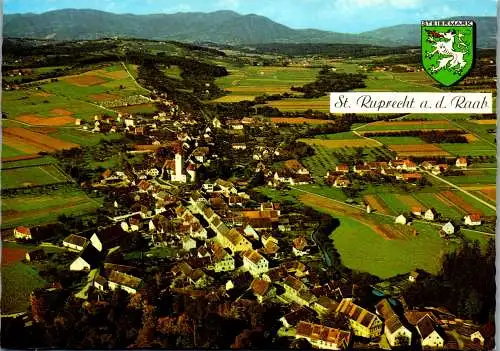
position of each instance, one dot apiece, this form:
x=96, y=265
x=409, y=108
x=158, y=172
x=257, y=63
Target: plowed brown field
x=32, y=142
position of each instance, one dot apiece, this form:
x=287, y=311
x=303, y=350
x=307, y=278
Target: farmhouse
x=324, y=305
x=361, y=169
x=473, y=219
x=261, y=289
x=120, y=280
x=221, y=260
x=297, y=291
x=409, y=166
x=255, y=263
x=411, y=177
x=341, y=182
x=299, y=246
x=342, y=168
x=413, y=276
x=448, y=228
x=428, y=333
x=233, y=240
x=22, y=233
x=75, y=242
x=430, y=214
x=200, y=154
x=323, y=337
x=416, y=211
x=394, y=330
x=363, y=322
x=401, y=219
x=461, y=162
x=107, y=238
x=295, y=167
x=427, y=165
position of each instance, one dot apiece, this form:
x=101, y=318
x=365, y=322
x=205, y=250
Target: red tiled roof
x=23, y=230
x=260, y=287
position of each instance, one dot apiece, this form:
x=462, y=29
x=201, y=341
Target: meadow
x=31, y=209
x=32, y=176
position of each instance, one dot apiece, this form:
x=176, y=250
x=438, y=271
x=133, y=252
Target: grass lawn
x=362, y=249
x=82, y=137
x=18, y=281
x=338, y=136
x=31, y=162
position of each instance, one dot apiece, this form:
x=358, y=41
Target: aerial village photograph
x=172, y=176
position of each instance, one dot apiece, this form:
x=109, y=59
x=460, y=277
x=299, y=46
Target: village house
x=461, y=162
x=324, y=305
x=188, y=243
x=430, y=214
x=35, y=255
x=221, y=260
x=88, y=259
x=75, y=242
x=401, y=219
x=448, y=228
x=255, y=263
x=233, y=240
x=262, y=289
x=342, y=168
x=411, y=177
x=200, y=154
x=363, y=322
x=341, y=182
x=235, y=124
x=107, y=238
x=195, y=277
x=361, y=169
x=239, y=146
x=427, y=165
x=416, y=211
x=429, y=336
x=124, y=281
x=297, y=291
x=484, y=336
x=323, y=337
x=291, y=319
x=299, y=246
x=473, y=219
x=409, y=166
x=22, y=233
x=394, y=329
x=295, y=167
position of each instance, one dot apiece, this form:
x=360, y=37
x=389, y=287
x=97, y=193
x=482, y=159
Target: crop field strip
x=336, y=144
x=300, y=120
x=418, y=150
x=32, y=142
x=36, y=175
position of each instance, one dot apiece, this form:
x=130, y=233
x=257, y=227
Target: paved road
x=463, y=191
x=382, y=214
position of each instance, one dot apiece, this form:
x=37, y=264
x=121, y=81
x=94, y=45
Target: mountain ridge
x=223, y=27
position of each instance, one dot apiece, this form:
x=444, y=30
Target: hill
x=222, y=27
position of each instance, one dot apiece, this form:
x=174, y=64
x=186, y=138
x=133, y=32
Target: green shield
x=447, y=49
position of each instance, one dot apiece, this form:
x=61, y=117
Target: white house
x=188, y=243
x=400, y=219
x=428, y=333
x=448, y=228
x=430, y=214
x=22, y=233
x=473, y=219
x=87, y=260
x=254, y=262
x=75, y=242
x=394, y=330
x=153, y=172
x=120, y=280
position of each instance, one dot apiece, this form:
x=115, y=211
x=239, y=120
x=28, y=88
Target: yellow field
x=234, y=98
x=484, y=121
x=336, y=144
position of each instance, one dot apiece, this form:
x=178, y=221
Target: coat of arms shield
x=447, y=49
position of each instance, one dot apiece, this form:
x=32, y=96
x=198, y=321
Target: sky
x=348, y=16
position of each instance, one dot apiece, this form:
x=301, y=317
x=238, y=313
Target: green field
x=30, y=209
x=429, y=200
x=32, y=176
x=476, y=148
x=82, y=137
x=483, y=176
x=8, y=151
x=338, y=136
x=388, y=81
x=381, y=126
x=251, y=81
x=402, y=140
x=18, y=281
x=360, y=248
